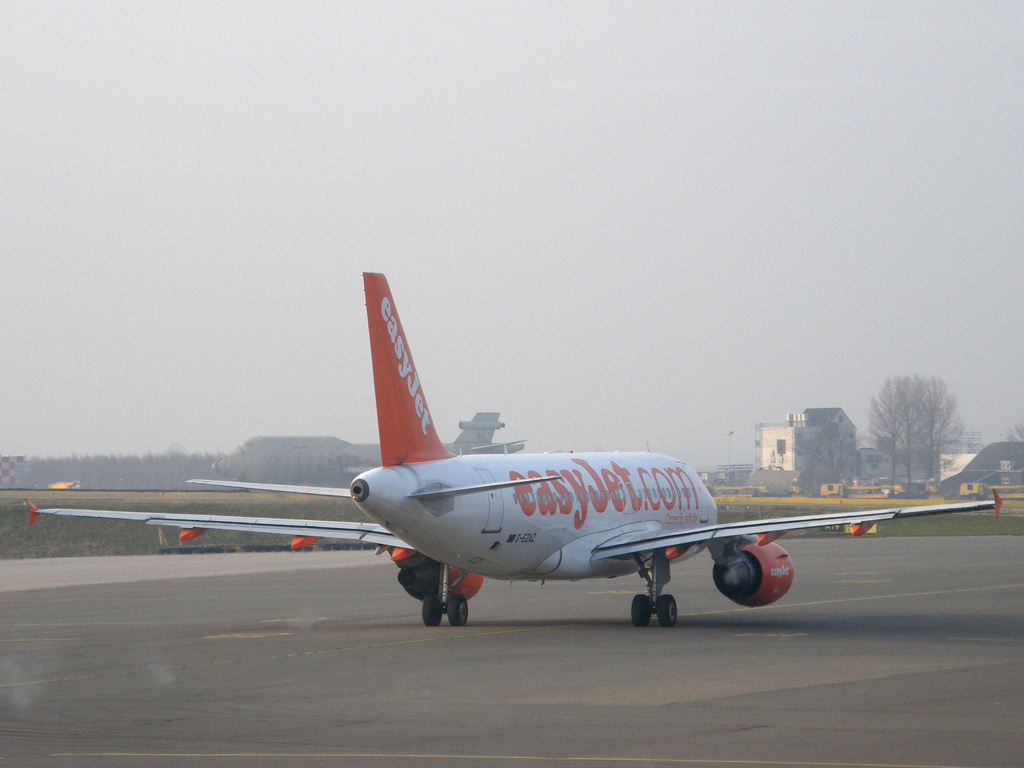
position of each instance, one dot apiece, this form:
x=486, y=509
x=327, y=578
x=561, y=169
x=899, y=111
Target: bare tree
x=914, y=420
x=813, y=447
x=939, y=425
x=833, y=454
x=910, y=388
x=1016, y=432
x=885, y=422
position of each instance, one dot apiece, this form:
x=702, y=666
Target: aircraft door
x=705, y=513
x=495, y=505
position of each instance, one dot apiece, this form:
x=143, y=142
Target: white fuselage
x=541, y=531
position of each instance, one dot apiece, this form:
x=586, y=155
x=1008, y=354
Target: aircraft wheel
x=666, y=609
x=432, y=610
x=640, y=611
x=458, y=610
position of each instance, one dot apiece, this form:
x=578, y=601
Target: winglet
x=999, y=502
x=33, y=513
x=407, y=432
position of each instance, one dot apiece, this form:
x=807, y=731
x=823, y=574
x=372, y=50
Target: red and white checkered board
x=7, y=465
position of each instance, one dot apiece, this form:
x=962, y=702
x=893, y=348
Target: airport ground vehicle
x=450, y=521
x=973, y=490
x=982, y=491
x=753, y=491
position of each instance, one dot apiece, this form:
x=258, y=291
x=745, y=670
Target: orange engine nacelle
x=468, y=587
x=419, y=575
x=760, y=575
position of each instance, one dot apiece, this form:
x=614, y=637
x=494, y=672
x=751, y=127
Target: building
x=822, y=437
x=998, y=464
x=774, y=444
x=960, y=455
x=331, y=461
x=954, y=463
x=872, y=464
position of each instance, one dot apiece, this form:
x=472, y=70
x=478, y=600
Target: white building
x=774, y=444
x=789, y=446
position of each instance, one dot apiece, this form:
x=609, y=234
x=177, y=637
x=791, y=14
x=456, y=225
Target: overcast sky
x=620, y=225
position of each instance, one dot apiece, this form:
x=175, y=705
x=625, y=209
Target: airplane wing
x=371, y=533
x=308, y=490
x=769, y=530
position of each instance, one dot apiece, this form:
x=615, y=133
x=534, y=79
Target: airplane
x=450, y=521
x=332, y=461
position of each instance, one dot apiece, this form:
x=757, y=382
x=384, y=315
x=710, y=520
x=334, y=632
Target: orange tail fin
x=407, y=432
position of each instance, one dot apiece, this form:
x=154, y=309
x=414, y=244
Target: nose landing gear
x=655, y=571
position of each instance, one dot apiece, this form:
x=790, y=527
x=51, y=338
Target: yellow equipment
x=740, y=490
x=833, y=489
x=974, y=490
x=873, y=491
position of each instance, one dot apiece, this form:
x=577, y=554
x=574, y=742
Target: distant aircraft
x=334, y=462
x=448, y=521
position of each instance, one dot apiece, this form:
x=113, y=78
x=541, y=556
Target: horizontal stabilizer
x=436, y=491
x=513, y=447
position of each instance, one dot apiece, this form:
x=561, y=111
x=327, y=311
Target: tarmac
x=886, y=652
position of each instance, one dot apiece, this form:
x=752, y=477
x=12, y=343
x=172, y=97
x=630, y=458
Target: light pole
x=728, y=464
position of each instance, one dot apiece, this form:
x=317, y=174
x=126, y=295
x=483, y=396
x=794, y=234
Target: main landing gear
x=655, y=571
x=442, y=603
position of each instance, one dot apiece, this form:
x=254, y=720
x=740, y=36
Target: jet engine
x=758, y=575
x=420, y=576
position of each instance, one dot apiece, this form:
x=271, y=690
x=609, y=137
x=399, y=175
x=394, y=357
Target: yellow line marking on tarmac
x=293, y=655
x=989, y=639
x=289, y=621
x=860, y=573
x=614, y=592
x=504, y=758
x=771, y=634
x=246, y=635
x=864, y=581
